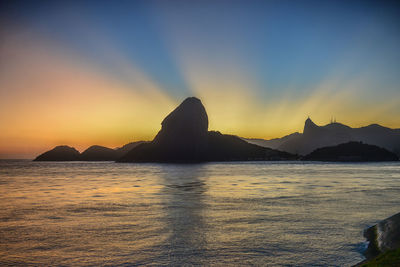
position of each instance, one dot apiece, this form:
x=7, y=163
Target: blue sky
x=278, y=42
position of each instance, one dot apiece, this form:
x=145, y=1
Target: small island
x=351, y=152
x=60, y=153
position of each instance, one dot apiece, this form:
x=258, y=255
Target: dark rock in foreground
x=384, y=243
x=60, y=153
x=383, y=236
x=351, y=152
x=184, y=137
x=99, y=153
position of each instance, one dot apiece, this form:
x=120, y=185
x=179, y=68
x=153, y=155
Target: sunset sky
x=107, y=72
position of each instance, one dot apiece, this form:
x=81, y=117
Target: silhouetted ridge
x=332, y=134
x=352, y=151
x=184, y=137
x=121, y=151
x=93, y=153
x=272, y=143
x=99, y=153
x=222, y=147
x=60, y=153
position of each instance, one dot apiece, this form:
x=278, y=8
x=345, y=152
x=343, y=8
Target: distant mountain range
x=332, y=134
x=184, y=137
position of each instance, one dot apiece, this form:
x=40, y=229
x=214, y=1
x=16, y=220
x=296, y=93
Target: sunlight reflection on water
x=99, y=213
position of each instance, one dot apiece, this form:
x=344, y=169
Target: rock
x=351, y=152
x=384, y=243
x=184, y=137
x=60, y=153
x=383, y=236
x=184, y=131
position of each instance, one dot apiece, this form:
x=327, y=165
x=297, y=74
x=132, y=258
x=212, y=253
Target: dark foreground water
x=252, y=213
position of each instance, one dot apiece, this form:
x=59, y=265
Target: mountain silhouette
x=183, y=133
x=223, y=147
x=184, y=137
x=272, y=143
x=99, y=153
x=352, y=152
x=332, y=134
x=93, y=153
x=121, y=151
x=60, y=153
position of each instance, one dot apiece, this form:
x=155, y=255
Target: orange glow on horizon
x=50, y=96
x=62, y=100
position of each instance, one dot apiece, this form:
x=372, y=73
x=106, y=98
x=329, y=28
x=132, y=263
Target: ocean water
x=242, y=213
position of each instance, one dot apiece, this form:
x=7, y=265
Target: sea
x=219, y=214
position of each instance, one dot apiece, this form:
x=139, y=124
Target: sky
x=81, y=73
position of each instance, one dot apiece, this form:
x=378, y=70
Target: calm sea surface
x=246, y=213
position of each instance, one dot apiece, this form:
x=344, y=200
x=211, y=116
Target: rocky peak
x=184, y=137
x=309, y=127
x=189, y=121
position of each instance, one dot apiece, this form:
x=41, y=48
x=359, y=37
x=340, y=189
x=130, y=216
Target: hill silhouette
x=93, y=153
x=351, y=152
x=121, y=151
x=332, y=134
x=184, y=137
x=99, y=153
x=60, y=153
x=272, y=143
